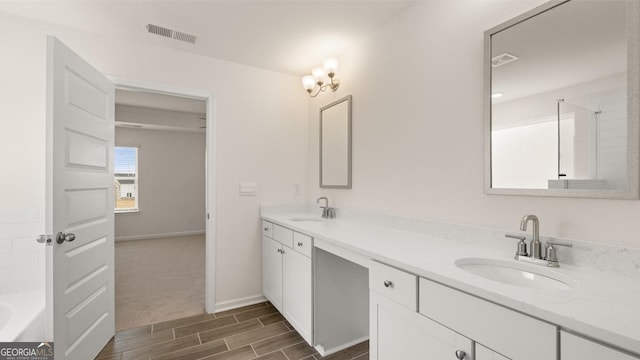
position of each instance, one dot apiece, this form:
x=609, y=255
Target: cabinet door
x=272, y=271
x=483, y=353
x=297, y=292
x=573, y=347
x=399, y=333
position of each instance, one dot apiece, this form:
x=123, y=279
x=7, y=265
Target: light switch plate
x=248, y=189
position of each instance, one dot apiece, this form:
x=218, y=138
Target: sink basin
x=306, y=219
x=518, y=274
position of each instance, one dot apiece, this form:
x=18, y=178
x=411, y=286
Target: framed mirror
x=562, y=101
x=335, y=144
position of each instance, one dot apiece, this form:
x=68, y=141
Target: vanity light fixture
x=319, y=76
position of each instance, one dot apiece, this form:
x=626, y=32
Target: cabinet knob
x=266, y=229
x=300, y=244
x=387, y=283
x=460, y=354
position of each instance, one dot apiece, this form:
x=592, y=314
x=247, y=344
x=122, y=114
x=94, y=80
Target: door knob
x=62, y=237
x=460, y=354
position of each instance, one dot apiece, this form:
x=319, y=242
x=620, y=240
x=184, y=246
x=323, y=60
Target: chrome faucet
x=550, y=259
x=327, y=212
x=535, y=245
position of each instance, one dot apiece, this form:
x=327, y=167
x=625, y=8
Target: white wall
x=261, y=135
x=171, y=180
x=418, y=129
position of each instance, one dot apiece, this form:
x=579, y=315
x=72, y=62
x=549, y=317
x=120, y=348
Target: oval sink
x=306, y=219
x=508, y=272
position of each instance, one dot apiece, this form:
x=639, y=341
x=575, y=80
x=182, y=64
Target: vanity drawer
x=283, y=235
x=506, y=331
x=267, y=229
x=575, y=347
x=395, y=284
x=302, y=243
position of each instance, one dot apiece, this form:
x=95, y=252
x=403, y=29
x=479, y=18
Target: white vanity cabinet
x=397, y=330
x=297, y=288
x=574, y=347
x=272, y=271
x=287, y=275
x=483, y=353
x=508, y=332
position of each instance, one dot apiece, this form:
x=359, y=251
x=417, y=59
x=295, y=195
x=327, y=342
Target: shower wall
x=22, y=259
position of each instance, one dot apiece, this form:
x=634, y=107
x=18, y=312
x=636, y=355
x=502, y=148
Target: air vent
x=159, y=30
x=170, y=33
x=503, y=59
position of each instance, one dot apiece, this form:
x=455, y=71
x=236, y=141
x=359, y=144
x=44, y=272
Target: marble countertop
x=604, y=306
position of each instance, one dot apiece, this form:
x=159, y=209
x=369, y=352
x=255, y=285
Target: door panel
x=272, y=271
x=80, y=200
x=297, y=292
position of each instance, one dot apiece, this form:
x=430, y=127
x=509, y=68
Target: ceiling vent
x=502, y=59
x=170, y=33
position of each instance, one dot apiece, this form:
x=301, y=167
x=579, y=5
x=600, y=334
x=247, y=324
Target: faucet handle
x=552, y=258
x=522, y=246
x=552, y=243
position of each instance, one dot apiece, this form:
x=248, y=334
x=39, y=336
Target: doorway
x=160, y=216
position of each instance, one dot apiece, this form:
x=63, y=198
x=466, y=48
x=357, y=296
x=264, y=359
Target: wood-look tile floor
x=252, y=332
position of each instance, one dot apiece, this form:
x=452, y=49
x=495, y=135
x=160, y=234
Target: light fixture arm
x=333, y=85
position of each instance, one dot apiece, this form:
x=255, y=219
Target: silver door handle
x=62, y=237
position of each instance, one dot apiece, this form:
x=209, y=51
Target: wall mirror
x=562, y=101
x=335, y=144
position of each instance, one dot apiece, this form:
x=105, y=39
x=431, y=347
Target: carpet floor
x=158, y=280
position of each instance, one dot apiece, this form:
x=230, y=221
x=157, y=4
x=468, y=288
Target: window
x=125, y=171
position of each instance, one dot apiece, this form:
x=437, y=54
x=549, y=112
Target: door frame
x=210, y=176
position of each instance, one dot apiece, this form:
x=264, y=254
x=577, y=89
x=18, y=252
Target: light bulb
x=319, y=73
x=308, y=82
x=331, y=65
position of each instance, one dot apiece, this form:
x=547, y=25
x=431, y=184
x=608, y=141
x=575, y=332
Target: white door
x=79, y=202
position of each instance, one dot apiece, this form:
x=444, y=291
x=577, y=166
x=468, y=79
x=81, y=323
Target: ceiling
x=285, y=36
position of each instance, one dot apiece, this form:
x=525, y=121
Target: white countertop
x=603, y=306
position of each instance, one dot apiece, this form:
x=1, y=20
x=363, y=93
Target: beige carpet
x=159, y=280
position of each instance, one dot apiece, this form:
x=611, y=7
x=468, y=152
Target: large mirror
x=561, y=95
x=335, y=144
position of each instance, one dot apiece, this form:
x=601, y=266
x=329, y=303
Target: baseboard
x=236, y=303
x=325, y=352
x=162, y=235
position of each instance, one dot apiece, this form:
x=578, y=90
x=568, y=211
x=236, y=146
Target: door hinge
x=45, y=239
